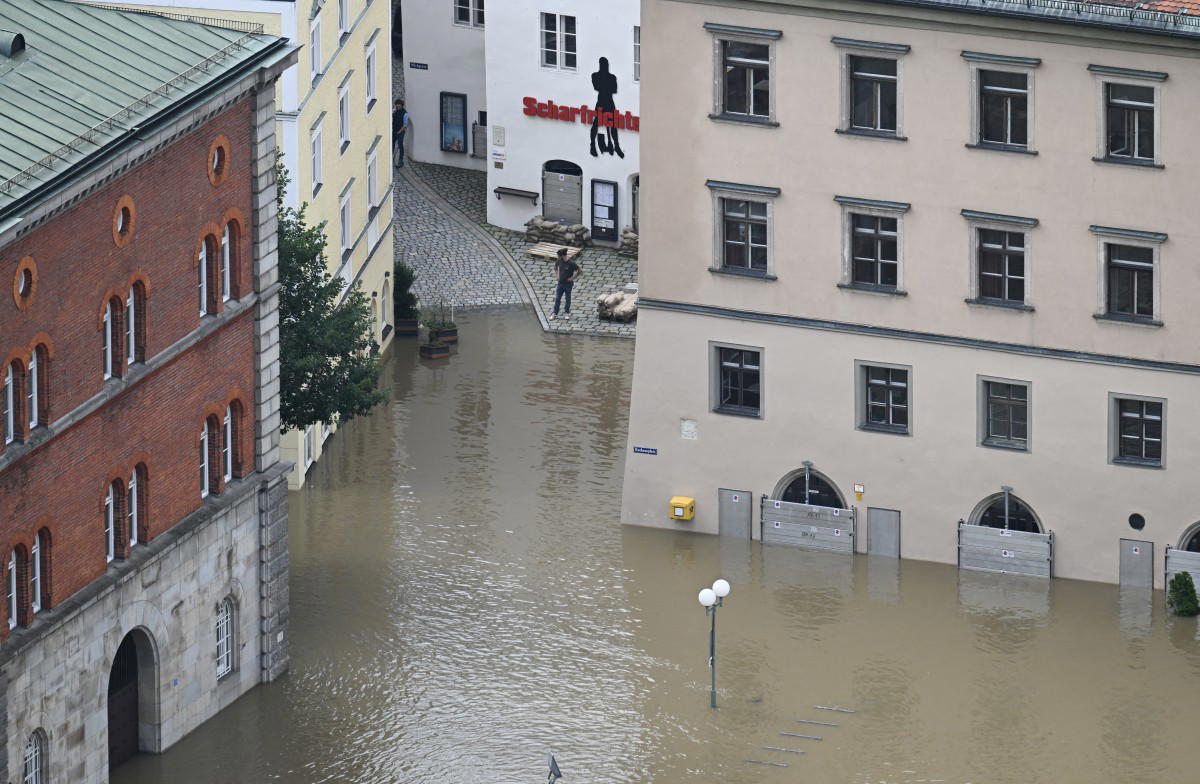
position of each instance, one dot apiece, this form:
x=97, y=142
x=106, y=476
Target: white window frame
x=345, y=219
x=1105, y=76
x=370, y=73
x=130, y=326
x=373, y=199
x=224, y=630
x=12, y=588
x=202, y=270
x=204, y=475
x=109, y=359
x=316, y=150
x=473, y=8
x=979, y=61
x=110, y=524
x=308, y=446
x=10, y=425
x=344, y=115
x=996, y=222
x=729, y=190
x=33, y=767
x=35, y=575
x=860, y=398
x=769, y=38
x=227, y=443
x=343, y=17
x=133, y=508
x=874, y=208
x=1106, y=236
x=314, y=49
x=559, y=41
x=32, y=386
x=848, y=48
x=637, y=53
x=1114, y=431
x=226, y=238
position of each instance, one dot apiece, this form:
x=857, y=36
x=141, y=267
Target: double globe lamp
x=713, y=598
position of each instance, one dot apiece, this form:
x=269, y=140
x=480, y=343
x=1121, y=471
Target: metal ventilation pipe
x=11, y=43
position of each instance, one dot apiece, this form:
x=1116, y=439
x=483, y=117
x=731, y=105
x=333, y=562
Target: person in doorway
x=568, y=272
x=605, y=85
x=400, y=125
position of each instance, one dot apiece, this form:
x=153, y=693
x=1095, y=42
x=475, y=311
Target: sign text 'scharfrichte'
x=580, y=114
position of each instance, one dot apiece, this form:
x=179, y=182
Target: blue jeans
x=563, y=288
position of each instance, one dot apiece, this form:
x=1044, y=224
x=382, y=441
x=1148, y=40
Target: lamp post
x=713, y=598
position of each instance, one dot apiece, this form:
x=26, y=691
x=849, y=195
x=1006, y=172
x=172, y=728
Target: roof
x=1174, y=18
x=90, y=74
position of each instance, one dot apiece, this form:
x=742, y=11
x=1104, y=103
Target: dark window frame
x=879, y=85
x=443, y=100
x=737, y=380
x=1008, y=252
x=886, y=389
x=1123, y=119
x=1009, y=98
x=1001, y=406
x=1131, y=275
x=734, y=67
x=748, y=220
x=878, y=237
x=1148, y=418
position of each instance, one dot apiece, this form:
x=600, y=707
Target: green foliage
x=328, y=372
x=438, y=318
x=1181, y=595
x=402, y=295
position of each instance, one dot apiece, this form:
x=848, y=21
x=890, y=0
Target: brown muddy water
x=464, y=598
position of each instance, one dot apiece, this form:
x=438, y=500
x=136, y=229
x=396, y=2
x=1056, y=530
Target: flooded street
x=463, y=598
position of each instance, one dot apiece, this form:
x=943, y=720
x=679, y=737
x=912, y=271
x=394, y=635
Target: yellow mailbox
x=683, y=508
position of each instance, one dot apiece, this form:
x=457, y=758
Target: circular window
x=124, y=221
x=218, y=160
x=1137, y=522
x=24, y=282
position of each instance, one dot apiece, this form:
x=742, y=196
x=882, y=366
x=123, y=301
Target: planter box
x=406, y=328
x=434, y=351
x=444, y=335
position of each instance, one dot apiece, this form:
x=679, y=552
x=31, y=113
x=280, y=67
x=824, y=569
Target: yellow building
x=334, y=128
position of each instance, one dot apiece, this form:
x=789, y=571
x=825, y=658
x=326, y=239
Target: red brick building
x=142, y=509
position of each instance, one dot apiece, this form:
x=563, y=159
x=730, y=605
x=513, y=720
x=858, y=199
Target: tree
x=1181, y=595
x=328, y=372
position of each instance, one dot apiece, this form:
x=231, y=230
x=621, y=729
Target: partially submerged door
x=735, y=513
x=1137, y=563
x=807, y=526
x=562, y=192
x=883, y=532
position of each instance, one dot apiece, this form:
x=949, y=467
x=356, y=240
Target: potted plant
x=440, y=323
x=434, y=350
x=405, y=300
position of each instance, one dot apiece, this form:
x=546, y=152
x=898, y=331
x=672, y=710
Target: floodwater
x=464, y=598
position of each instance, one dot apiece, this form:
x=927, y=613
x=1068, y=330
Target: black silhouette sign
x=605, y=85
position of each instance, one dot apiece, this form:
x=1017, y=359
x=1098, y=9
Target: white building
x=545, y=97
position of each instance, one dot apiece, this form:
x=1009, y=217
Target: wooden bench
x=549, y=251
x=501, y=190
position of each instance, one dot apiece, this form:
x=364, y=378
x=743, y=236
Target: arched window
x=227, y=444
x=12, y=589
x=232, y=441
x=112, y=513
x=204, y=438
x=135, y=324
x=114, y=316
x=31, y=384
x=229, y=262
x=386, y=303
x=35, y=575
x=225, y=637
x=135, y=507
x=38, y=393
x=1008, y=511
x=41, y=563
x=206, y=272
x=10, y=406
x=35, y=759
x=811, y=488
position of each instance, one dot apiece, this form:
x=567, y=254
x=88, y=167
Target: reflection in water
x=463, y=599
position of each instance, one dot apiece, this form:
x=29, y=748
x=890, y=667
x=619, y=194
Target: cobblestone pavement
x=603, y=270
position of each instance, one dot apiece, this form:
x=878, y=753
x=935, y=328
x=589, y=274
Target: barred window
x=224, y=638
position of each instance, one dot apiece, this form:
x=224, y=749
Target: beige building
x=334, y=129
x=921, y=264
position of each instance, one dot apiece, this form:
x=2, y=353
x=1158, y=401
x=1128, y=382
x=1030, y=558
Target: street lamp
x=712, y=598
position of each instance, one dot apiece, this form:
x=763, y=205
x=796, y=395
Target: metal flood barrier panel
x=988, y=549
x=810, y=527
x=1182, y=561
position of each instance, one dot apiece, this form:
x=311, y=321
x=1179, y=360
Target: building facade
x=923, y=266
x=334, y=131
x=544, y=98
x=143, y=502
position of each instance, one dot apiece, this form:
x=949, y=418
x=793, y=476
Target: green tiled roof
x=90, y=73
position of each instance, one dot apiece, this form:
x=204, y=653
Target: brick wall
x=155, y=419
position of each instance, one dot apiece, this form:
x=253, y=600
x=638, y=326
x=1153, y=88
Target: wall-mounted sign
x=580, y=114
x=419, y=66
x=499, y=155
x=498, y=135
x=645, y=450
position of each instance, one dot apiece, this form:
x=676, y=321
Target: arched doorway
x=562, y=192
x=1006, y=511
x=808, y=486
x=132, y=699
x=1191, y=539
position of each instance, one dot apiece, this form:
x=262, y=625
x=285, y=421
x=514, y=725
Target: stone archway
x=133, y=704
x=1190, y=540
x=809, y=486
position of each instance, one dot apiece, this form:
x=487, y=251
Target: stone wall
x=57, y=670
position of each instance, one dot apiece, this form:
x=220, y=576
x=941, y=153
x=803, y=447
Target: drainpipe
x=1007, y=491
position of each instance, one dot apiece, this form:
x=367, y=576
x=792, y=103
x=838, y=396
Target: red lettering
x=564, y=112
x=574, y=114
x=635, y=122
x=530, y=106
x=581, y=114
x=543, y=110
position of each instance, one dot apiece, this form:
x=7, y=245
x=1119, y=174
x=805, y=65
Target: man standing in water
x=568, y=272
x=605, y=85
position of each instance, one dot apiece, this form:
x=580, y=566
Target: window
x=1010, y=513
x=637, y=53
x=34, y=768
x=35, y=575
x=224, y=638
x=314, y=49
x=1138, y=430
x=10, y=405
x=107, y=337
x=110, y=522
x=1129, y=281
x=1001, y=265
x=1129, y=118
x=873, y=244
x=308, y=446
x=315, y=147
x=344, y=115
x=227, y=444
x=369, y=75
x=204, y=484
x=744, y=235
x=873, y=94
x=883, y=394
x=226, y=253
x=454, y=122
x=344, y=217
x=202, y=276
x=1006, y=414
x=343, y=16
x=373, y=178
x=746, y=80
x=470, y=13
x=12, y=589
x=739, y=378
x=133, y=505
x=558, y=41
x=131, y=319
x=1003, y=108
x=32, y=404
